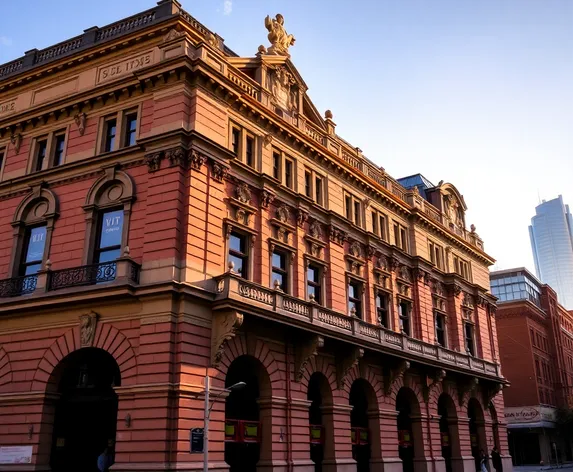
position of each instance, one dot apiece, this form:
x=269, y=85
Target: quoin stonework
x=171, y=212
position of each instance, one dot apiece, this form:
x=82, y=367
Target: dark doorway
x=316, y=423
x=359, y=422
x=405, y=401
x=86, y=412
x=477, y=430
x=446, y=410
x=242, y=415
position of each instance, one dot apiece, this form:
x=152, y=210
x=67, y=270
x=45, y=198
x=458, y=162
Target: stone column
x=435, y=446
x=337, y=440
x=272, y=416
x=385, y=458
x=298, y=412
x=465, y=462
x=421, y=439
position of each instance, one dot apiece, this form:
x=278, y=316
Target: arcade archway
x=320, y=421
x=86, y=410
x=409, y=428
x=247, y=415
x=477, y=430
x=449, y=436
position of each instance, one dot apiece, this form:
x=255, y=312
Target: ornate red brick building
x=170, y=211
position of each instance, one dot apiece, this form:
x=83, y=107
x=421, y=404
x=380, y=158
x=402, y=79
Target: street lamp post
x=207, y=414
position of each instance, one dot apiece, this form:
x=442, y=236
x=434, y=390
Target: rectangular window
x=379, y=224
x=277, y=165
x=308, y=184
x=130, y=129
x=110, y=131
x=279, y=277
x=375, y=229
x=110, y=233
x=2, y=158
x=289, y=166
x=59, y=146
x=314, y=283
x=461, y=268
x=404, y=310
x=382, y=309
x=441, y=329
x=235, y=140
x=33, y=254
x=353, y=209
x=400, y=236
x=436, y=255
x=532, y=335
x=238, y=253
x=318, y=190
x=41, y=148
x=355, y=298
x=469, y=338
x=250, y=151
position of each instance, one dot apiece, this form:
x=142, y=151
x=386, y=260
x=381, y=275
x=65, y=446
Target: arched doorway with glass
x=477, y=430
x=320, y=422
x=409, y=428
x=245, y=418
x=85, y=410
x=449, y=437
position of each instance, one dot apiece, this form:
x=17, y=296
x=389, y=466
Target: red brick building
x=536, y=350
x=170, y=211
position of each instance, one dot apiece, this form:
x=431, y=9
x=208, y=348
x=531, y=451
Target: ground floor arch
x=248, y=418
x=321, y=441
x=449, y=435
x=410, y=443
x=85, y=410
x=477, y=430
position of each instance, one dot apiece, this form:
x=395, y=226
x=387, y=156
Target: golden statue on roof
x=278, y=37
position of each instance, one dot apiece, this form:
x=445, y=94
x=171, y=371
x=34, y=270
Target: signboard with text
x=529, y=414
x=16, y=455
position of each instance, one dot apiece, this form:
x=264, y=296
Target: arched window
x=108, y=209
x=33, y=224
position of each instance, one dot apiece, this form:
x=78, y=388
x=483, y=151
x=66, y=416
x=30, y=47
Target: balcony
x=123, y=269
x=274, y=304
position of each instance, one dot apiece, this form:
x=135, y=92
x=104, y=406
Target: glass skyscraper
x=551, y=234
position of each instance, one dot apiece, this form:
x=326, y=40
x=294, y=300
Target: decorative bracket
x=196, y=159
x=345, y=365
x=153, y=161
x=301, y=216
x=219, y=171
x=304, y=353
x=433, y=382
x=177, y=157
x=80, y=120
x=466, y=387
x=223, y=328
x=88, y=325
x=267, y=198
x=16, y=140
x=395, y=375
x=491, y=392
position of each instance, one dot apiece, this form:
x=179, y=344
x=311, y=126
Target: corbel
x=16, y=140
x=304, y=352
x=345, y=363
x=466, y=387
x=432, y=382
x=80, y=120
x=395, y=375
x=224, y=328
x=153, y=161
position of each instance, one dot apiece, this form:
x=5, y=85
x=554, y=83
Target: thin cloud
x=5, y=41
x=227, y=7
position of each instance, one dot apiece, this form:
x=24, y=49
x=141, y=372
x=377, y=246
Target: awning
x=538, y=424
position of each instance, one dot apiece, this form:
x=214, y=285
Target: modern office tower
x=551, y=233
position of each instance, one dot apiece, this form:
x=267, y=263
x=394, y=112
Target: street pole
x=206, y=428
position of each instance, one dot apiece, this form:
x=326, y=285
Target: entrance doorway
x=407, y=406
x=361, y=450
x=318, y=395
x=86, y=412
x=477, y=430
x=448, y=430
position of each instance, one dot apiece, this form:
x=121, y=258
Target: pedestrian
x=104, y=461
x=496, y=460
x=483, y=461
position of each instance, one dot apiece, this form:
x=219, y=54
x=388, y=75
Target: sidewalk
x=536, y=468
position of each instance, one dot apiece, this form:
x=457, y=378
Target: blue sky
x=475, y=92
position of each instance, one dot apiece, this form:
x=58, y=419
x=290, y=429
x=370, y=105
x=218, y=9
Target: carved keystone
x=304, y=353
x=346, y=364
x=88, y=325
x=224, y=328
x=395, y=375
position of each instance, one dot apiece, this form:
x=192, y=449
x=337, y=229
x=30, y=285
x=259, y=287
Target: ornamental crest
x=88, y=324
x=315, y=231
x=243, y=193
x=283, y=213
x=281, y=82
x=355, y=249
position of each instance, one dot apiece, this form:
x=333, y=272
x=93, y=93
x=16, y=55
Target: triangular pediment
x=287, y=90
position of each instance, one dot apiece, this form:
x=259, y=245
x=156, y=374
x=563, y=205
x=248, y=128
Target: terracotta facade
x=171, y=211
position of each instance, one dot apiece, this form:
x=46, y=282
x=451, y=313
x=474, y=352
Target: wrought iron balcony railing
x=230, y=286
x=90, y=275
x=18, y=286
